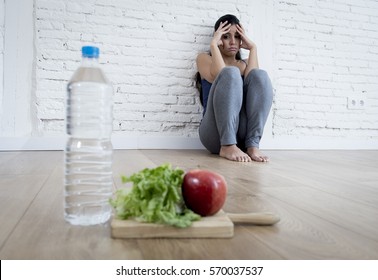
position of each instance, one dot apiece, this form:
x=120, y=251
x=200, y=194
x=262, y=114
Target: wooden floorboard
x=335, y=190
x=327, y=201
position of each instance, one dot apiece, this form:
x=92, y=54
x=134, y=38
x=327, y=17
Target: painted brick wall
x=2, y=22
x=148, y=51
x=322, y=52
x=326, y=51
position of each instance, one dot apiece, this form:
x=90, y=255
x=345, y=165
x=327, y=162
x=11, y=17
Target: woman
x=236, y=94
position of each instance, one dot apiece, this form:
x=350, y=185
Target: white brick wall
x=326, y=51
x=148, y=51
x=319, y=53
x=2, y=21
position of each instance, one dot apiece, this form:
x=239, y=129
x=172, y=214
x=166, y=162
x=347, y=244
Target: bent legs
x=258, y=97
x=236, y=114
x=219, y=126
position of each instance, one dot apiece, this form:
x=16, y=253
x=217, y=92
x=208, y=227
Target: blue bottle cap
x=90, y=51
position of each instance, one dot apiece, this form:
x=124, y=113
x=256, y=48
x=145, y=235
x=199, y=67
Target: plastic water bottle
x=88, y=181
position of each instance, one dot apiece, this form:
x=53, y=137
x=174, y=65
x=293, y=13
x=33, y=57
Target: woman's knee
x=231, y=73
x=259, y=78
x=258, y=83
x=258, y=75
x=229, y=83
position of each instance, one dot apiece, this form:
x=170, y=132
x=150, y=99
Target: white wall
x=2, y=19
x=318, y=54
x=17, y=83
x=2, y=30
x=326, y=52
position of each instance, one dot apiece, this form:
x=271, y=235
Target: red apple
x=204, y=191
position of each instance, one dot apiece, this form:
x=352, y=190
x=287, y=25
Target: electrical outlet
x=356, y=102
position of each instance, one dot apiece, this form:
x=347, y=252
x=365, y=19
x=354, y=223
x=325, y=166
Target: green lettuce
x=155, y=197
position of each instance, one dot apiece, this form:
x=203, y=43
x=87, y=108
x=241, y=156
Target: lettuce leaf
x=155, y=197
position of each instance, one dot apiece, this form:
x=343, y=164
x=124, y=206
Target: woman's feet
x=232, y=152
x=255, y=155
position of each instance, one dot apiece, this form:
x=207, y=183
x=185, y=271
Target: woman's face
x=231, y=42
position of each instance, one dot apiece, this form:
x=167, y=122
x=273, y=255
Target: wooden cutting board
x=217, y=226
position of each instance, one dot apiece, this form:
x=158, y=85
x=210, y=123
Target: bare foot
x=255, y=155
x=232, y=152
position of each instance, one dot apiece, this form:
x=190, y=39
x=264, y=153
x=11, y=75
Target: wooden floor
x=327, y=201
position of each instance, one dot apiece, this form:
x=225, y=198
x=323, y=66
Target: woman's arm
x=252, y=61
x=204, y=66
x=217, y=62
x=210, y=66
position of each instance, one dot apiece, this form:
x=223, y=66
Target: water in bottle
x=88, y=183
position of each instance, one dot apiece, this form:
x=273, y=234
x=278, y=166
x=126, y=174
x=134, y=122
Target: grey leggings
x=236, y=110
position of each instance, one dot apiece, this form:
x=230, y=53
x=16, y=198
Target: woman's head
x=230, y=41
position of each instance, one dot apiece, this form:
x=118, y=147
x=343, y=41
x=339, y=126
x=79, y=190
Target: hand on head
x=223, y=28
x=245, y=43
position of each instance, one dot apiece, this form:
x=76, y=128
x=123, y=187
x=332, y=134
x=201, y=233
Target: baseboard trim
x=119, y=142
x=170, y=142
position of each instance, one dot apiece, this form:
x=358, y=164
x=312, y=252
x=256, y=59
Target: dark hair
x=230, y=19
x=199, y=86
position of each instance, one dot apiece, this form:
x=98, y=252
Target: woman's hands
x=246, y=43
x=223, y=28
